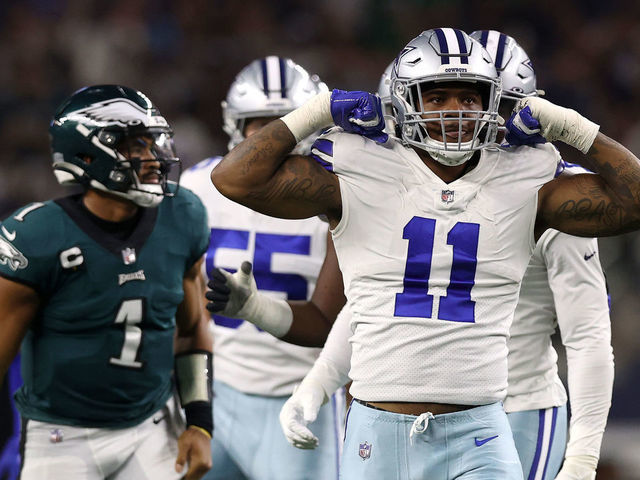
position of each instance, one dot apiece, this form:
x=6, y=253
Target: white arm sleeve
x=580, y=296
x=336, y=353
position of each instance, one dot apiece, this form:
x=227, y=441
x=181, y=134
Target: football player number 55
x=415, y=301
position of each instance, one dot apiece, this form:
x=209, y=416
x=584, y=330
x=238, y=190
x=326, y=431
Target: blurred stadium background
x=185, y=53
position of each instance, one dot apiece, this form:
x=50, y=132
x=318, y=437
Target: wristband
x=194, y=375
x=199, y=415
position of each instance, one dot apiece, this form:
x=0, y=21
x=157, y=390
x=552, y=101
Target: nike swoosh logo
x=159, y=419
x=10, y=236
x=587, y=257
x=479, y=443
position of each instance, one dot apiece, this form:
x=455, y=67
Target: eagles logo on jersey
x=11, y=256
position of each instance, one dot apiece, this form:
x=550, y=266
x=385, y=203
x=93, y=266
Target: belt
x=411, y=408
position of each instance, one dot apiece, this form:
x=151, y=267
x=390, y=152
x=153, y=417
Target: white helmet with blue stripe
x=511, y=62
x=437, y=56
x=268, y=87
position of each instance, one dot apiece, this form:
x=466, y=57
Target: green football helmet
x=90, y=132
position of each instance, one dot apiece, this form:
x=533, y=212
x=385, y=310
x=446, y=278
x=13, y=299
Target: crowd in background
x=184, y=54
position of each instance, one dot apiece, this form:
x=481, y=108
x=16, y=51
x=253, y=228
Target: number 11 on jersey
x=415, y=301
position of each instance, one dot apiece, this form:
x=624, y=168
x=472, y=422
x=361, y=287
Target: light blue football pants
x=474, y=444
x=541, y=439
x=248, y=443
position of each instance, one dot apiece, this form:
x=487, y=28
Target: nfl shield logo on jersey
x=129, y=256
x=56, y=435
x=365, y=450
x=447, y=196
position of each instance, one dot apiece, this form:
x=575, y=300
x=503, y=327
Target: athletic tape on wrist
x=310, y=117
x=273, y=315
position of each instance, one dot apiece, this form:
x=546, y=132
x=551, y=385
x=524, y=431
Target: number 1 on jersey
x=130, y=314
x=415, y=301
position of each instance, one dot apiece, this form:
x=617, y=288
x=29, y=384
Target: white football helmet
x=511, y=62
x=268, y=87
x=384, y=92
x=437, y=56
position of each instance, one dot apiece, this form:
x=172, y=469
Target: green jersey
x=100, y=351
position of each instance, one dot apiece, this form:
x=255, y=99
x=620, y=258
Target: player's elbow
x=224, y=181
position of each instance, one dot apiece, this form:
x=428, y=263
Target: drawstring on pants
x=420, y=425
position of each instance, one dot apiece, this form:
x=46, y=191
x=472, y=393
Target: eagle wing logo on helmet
x=118, y=111
x=11, y=256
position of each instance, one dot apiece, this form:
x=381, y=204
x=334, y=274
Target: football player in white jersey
x=256, y=372
x=433, y=236
x=563, y=271
x=564, y=285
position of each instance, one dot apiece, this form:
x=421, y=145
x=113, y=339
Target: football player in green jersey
x=103, y=289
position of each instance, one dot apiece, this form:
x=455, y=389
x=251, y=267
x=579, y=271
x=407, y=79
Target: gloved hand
x=301, y=409
x=523, y=129
x=559, y=123
x=228, y=292
x=579, y=467
x=324, y=378
x=237, y=296
x=359, y=112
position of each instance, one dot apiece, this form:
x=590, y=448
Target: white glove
x=302, y=408
x=559, y=123
x=579, y=467
x=236, y=296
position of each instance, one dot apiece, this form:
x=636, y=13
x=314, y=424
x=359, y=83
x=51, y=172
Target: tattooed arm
x=594, y=205
x=259, y=174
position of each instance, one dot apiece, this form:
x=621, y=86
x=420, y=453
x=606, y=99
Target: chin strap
x=194, y=377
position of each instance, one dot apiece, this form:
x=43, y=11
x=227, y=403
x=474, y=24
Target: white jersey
x=286, y=256
x=564, y=276
x=432, y=270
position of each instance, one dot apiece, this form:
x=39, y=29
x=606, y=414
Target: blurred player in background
x=418, y=229
x=104, y=286
x=564, y=287
x=255, y=372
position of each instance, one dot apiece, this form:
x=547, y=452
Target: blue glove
x=359, y=112
x=523, y=129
